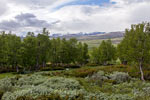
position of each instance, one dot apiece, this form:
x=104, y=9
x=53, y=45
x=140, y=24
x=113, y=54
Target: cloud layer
x=32, y=15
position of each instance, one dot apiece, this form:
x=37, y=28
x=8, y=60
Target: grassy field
x=87, y=83
x=4, y=75
x=95, y=43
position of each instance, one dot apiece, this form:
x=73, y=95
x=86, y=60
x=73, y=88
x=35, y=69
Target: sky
x=71, y=16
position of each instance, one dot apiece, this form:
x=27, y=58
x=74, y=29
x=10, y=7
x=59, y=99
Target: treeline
x=33, y=51
x=134, y=49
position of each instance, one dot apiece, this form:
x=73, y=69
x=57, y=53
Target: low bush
x=52, y=97
x=88, y=86
x=33, y=80
x=133, y=71
x=62, y=83
x=26, y=98
x=83, y=72
x=100, y=75
x=6, y=84
x=1, y=94
x=120, y=77
x=37, y=85
x=82, y=84
x=98, y=78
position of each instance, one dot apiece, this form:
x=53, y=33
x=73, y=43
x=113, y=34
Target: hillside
x=110, y=35
x=93, y=39
x=90, y=36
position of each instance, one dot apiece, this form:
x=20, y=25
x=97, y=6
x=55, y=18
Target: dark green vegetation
x=108, y=72
x=135, y=47
x=34, y=52
x=104, y=54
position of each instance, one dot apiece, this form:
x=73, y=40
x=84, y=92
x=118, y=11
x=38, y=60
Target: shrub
x=6, y=84
x=1, y=94
x=62, y=83
x=83, y=72
x=100, y=75
x=99, y=85
x=39, y=91
x=44, y=86
x=120, y=77
x=144, y=94
x=25, y=98
x=87, y=85
x=98, y=78
x=31, y=80
x=52, y=97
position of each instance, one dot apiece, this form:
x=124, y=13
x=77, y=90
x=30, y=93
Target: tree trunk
x=141, y=71
x=17, y=70
x=43, y=64
x=37, y=63
x=105, y=63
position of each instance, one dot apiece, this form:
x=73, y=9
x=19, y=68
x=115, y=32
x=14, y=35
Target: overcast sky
x=63, y=16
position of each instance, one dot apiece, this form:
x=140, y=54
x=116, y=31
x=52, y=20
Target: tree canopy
x=105, y=53
x=135, y=47
x=35, y=51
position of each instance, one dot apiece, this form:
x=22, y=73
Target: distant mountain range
x=75, y=34
x=90, y=36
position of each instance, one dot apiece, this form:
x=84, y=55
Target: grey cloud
x=3, y=8
x=30, y=20
x=88, y=10
x=140, y=13
x=25, y=16
x=9, y=25
x=58, y=21
x=23, y=21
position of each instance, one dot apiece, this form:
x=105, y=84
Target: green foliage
x=68, y=51
x=94, y=55
x=33, y=52
x=135, y=47
x=105, y=53
x=135, y=44
x=83, y=52
x=43, y=48
x=9, y=50
x=29, y=51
